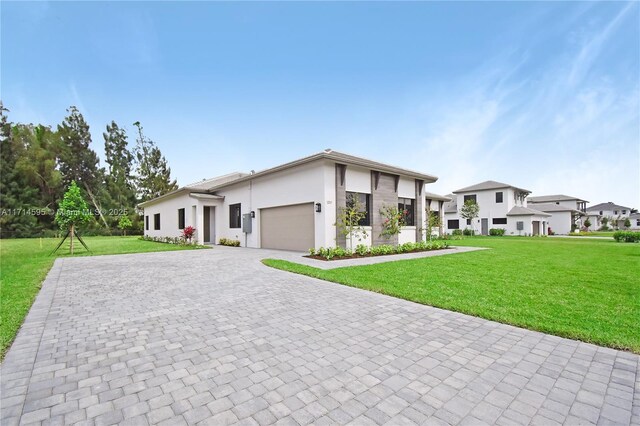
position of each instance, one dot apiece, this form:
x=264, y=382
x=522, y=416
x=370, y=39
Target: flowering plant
x=393, y=220
x=188, y=233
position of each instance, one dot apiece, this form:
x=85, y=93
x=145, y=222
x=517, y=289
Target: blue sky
x=542, y=95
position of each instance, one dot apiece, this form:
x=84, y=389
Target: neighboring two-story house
x=566, y=212
x=615, y=214
x=501, y=206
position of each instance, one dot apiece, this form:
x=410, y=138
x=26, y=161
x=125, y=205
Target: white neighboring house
x=565, y=211
x=294, y=206
x=615, y=214
x=501, y=206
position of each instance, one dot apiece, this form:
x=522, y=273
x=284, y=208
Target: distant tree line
x=38, y=163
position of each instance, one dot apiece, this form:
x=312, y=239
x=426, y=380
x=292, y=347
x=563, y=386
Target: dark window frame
x=499, y=221
x=235, y=215
x=366, y=202
x=455, y=222
x=473, y=197
x=181, y=217
x=146, y=223
x=156, y=222
x=408, y=205
x=499, y=197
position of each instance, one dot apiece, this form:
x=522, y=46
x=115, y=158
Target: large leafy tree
x=16, y=196
x=153, y=172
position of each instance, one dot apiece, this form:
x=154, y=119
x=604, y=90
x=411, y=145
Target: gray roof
x=552, y=207
x=489, y=184
x=525, y=211
x=548, y=198
x=211, y=185
x=437, y=197
x=451, y=206
x=607, y=206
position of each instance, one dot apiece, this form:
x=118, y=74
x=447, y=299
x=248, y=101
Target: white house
x=501, y=206
x=615, y=214
x=294, y=206
x=566, y=211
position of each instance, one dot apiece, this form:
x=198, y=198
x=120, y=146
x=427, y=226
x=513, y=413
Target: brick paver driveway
x=214, y=336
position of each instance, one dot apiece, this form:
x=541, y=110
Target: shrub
x=229, y=242
x=496, y=232
x=457, y=232
x=312, y=252
x=626, y=236
x=362, y=250
x=468, y=232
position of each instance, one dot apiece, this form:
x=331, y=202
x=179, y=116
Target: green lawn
x=24, y=263
x=576, y=288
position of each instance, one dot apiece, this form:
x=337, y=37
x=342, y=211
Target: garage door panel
x=288, y=227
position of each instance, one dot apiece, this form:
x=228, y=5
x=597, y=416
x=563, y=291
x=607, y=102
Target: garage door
x=287, y=227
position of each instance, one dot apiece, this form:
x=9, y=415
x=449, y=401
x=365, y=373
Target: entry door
x=536, y=227
x=207, y=228
x=485, y=226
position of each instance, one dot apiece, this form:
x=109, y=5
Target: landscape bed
x=584, y=289
x=362, y=251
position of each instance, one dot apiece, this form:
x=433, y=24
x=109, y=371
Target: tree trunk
x=71, y=241
x=95, y=204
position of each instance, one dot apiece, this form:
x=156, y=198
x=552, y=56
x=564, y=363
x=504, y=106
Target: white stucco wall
x=309, y=183
x=168, y=210
x=560, y=222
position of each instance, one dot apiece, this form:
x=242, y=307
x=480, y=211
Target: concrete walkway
x=215, y=337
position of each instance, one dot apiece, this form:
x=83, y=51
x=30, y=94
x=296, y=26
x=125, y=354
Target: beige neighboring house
x=565, y=211
x=501, y=206
x=615, y=214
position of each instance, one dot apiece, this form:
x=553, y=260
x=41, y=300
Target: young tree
x=350, y=218
x=153, y=172
x=587, y=224
x=433, y=221
x=124, y=223
x=470, y=211
x=627, y=223
x=73, y=211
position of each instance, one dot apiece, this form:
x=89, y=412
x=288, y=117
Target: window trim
x=232, y=219
x=366, y=221
x=501, y=193
x=181, y=218
x=146, y=222
x=502, y=221
x=449, y=221
x=402, y=201
x=473, y=197
x=156, y=222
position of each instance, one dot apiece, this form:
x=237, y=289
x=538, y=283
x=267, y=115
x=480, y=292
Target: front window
x=156, y=221
x=453, y=224
x=146, y=222
x=499, y=196
x=406, y=206
x=180, y=218
x=235, y=218
x=499, y=220
x=624, y=212
x=363, y=202
x=471, y=197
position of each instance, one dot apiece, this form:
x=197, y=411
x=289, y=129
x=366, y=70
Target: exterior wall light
x=318, y=207
x=253, y=214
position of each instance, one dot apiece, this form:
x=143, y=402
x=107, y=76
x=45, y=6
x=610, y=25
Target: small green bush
x=457, y=232
x=626, y=236
x=496, y=232
x=468, y=232
x=229, y=242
